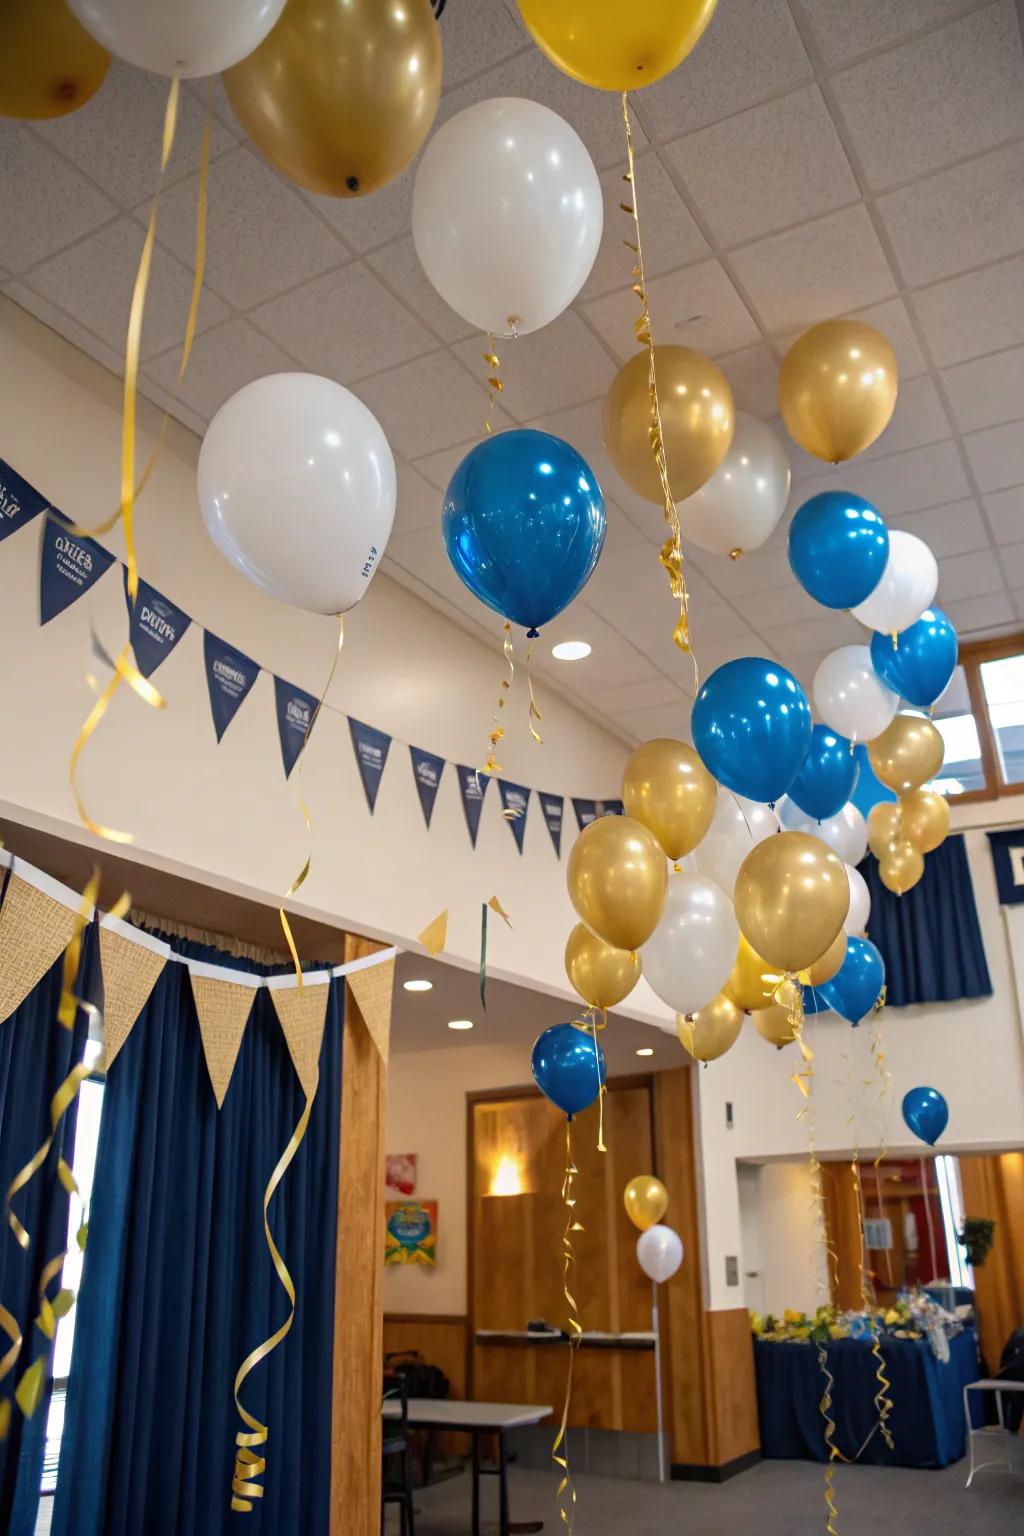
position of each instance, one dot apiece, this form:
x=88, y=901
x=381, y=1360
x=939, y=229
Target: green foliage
x=977, y=1236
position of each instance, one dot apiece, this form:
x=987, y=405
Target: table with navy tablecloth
x=927, y=1418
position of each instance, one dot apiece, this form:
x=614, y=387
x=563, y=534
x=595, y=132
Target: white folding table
x=990, y=1433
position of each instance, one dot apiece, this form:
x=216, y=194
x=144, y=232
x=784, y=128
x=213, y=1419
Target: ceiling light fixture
x=460, y=1023
x=419, y=985
x=570, y=650
x=645, y=1050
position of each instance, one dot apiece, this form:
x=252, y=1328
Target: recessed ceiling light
x=645, y=1050
x=570, y=650
x=460, y=1023
x=418, y=986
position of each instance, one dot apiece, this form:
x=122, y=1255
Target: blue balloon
x=524, y=524
x=838, y=548
x=920, y=666
x=869, y=790
x=926, y=1113
x=857, y=985
x=751, y=724
x=813, y=1001
x=565, y=1068
x=826, y=780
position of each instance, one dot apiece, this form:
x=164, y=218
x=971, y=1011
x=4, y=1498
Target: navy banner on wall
x=19, y=502
x=553, y=806
x=294, y=712
x=589, y=810
x=229, y=677
x=427, y=769
x=1008, y=858
x=472, y=788
x=68, y=567
x=371, y=748
x=514, y=800
x=155, y=626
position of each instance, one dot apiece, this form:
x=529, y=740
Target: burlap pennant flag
x=371, y=989
x=35, y=930
x=223, y=1008
x=302, y=1016
x=130, y=972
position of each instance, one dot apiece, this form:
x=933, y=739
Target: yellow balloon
x=646, y=1200
x=618, y=879
x=341, y=94
x=698, y=417
x=837, y=388
x=908, y=753
x=901, y=867
x=667, y=787
x=791, y=899
x=616, y=46
x=752, y=984
x=601, y=975
x=925, y=819
x=709, y=1033
x=49, y=63
x=775, y=1025
x=885, y=826
x=824, y=969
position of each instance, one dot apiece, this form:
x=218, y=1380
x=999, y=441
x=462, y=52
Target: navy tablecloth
x=927, y=1419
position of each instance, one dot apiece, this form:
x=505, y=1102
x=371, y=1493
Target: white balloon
x=297, y=489
x=846, y=833
x=659, y=1252
x=737, y=825
x=179, y=37
x=851, y=697
x=507, y=214
x=908, y=586
x=860, y=902
x=740, y=506
x=688, y=957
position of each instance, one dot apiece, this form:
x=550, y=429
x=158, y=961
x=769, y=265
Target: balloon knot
x=533, y=634
x=735, y=554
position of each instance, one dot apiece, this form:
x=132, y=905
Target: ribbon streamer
x=882, y=1400
x=494, y=385
x=492, y=765
x=7, y=1363
x=566, y=1495
x=533, y=714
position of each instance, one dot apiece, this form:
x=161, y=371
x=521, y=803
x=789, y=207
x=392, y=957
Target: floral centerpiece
x=912, y=1316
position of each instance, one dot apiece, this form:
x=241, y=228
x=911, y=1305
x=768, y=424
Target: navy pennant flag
x=1008, y=858
x=19, y=501
x=552, y=806
x=68, y=567
x=371, y=748
x=589, y=810
x=427, y=769
x=229, y=678
x=472, y=788
x=294, y=712
x=155, y=625
x=514, y=800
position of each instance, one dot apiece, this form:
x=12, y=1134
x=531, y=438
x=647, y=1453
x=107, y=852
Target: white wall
x=779, y=1238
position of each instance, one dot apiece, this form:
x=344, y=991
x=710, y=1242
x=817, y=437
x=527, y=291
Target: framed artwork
x=410, y=1235
x=400, y=1172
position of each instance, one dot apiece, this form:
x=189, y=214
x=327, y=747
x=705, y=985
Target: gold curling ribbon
x=533, y=714
x=566, y=1495
x=7, y=1363
x=492, y=765
x=589, y=1022
x=882, y=1400
x=671, y=556
x=494, y=385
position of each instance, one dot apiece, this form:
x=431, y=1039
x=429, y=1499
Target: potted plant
x=977, y=1237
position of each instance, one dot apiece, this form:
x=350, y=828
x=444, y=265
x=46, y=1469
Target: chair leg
x=409, y=1526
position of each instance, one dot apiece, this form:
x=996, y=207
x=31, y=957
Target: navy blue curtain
x=178, y=1285
x=36, y=1054
x=930, y=939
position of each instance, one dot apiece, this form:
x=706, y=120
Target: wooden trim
x=426, y=1317
x=531, y=1091
x=687, y=1472
x=993, y=650
x=986, y=735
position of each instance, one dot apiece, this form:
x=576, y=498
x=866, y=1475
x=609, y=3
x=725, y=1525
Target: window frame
x=971, y=658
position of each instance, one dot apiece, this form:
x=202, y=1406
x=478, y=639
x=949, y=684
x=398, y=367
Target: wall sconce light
x=507, y=1178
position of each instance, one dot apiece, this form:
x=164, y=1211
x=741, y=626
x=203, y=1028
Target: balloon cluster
x=659, y=1248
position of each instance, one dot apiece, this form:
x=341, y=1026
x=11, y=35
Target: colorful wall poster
x=411, y=1233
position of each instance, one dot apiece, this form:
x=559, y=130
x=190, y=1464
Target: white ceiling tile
x=614, y=660
x=366, y=222
x=546, y=370
x=93, y=280
x=171, y=402
x=222, y=361
x=670, y=235
x=622, y=532
x=710, y=654
x=694, y=307
x=997, y=455
x=957, y=218
x=661, y=720
x=261, y=238
x=947, y=95
x=901, y=483
x=971, y=575
x=1005, y=512
x=951, y=530
x=400, y=268
x=753, y=375
x=919, y=418
x=53, y=316
x=47, y=204
x=762, y=570
x=1011, y=563
x=438, y=468
x=419, y=502
x=429, y=404
x=893, y=320
x=223, y=111
x=765, y=610
x=631, y=592
x=344, y=325
x=974, y=617
x=116, y=137
x=421, y=554
x=711, y=619
x=803, y=668
x=476, y=37
x=1018, y=601
x=751, y=50
x=776, y=164
x=654, y=693
x=813, y=635
x=822, y=269
x=977, y=313
x=844, y=31
x=987, y=390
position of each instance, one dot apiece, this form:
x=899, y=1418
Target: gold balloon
x=885, y=826
x=667, y=787
x=708, y=1033
x=752, y=983
x=908, y=753
x=901, y=867
x=824, y=969
x=646, y=1200
x=601, y=975
x=49, y=63
x=837, y=388
x=791, y=899
x=698, y=417
x=341, y=94
x=618, y=880
x=925, y=819
x=775, y=1025
x=613, y=46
